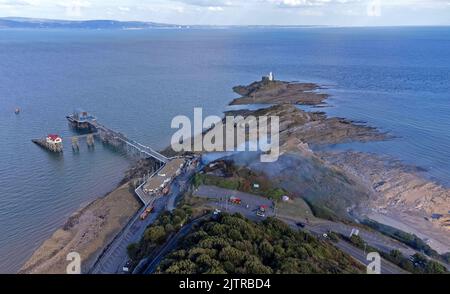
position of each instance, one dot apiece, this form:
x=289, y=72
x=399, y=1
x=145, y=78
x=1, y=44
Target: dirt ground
x=86, y=232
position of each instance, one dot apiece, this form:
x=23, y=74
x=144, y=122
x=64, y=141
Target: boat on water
x=17, y=111
x=81, y=120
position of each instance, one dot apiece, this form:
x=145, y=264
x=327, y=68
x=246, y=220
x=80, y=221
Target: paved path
x=249, y=206
x=115, y=255
x=361, y=256
x=374, y=239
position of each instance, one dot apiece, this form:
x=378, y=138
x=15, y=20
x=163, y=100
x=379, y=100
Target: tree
x=183, y=267
x=333, y=237
x=132, y=250
x=169, y=228
x=232, y=255
x=155, y=235
x=180, y=213
x=358, y=241
x=256, y=267
x=396, y=255
x=221, y=246
x=266, y=250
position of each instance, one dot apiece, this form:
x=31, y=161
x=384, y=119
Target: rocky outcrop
x=315, y=127
x=278, y=92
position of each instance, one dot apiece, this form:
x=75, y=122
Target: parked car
x=300, y=225
x=147, y=212
x=261, y=211
x=127, y=267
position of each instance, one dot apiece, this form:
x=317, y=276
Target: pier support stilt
x=75, y=145
x=90, y=140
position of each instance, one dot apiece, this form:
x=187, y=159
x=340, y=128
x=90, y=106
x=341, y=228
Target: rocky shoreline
x=394, y=188
x=402, y=198
x=360, y=181
x=87, y=232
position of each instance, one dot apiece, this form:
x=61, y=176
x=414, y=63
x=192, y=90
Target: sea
x=136, y=81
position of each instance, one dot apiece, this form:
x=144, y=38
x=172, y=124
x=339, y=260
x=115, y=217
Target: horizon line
x=17, y=18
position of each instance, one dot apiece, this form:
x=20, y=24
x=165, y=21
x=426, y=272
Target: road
x=170, y=246
x=115, y=256
x=249, y=206
x=387, y=268
x=375, y=239
x=372, y=238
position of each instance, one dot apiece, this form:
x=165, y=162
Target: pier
x=85, y=122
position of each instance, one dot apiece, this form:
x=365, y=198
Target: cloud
x=239, y=11
x=307, y=3
x=74, y=8
x=210, y=3
x=124, y=8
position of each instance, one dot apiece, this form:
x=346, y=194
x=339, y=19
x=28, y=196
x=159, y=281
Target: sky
x=240, y=12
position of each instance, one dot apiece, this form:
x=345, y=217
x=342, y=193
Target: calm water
x=136, y=81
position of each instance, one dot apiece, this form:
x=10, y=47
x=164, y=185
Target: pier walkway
x=84, y=121
x=109, y=134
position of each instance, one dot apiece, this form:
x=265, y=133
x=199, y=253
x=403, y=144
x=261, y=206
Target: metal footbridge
x=84, y=121
x=110, y=135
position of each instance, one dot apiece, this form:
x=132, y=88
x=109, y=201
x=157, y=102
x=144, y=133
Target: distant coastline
x=32, y=23
x=110, y=24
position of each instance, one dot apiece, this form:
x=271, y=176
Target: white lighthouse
x=271, y=77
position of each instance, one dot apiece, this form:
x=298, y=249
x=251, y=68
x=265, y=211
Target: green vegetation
x=225, y=174
x=322, y=212
x=333, y=237
x=241, y=180
x=210, y=180
x=235, y=245
x=417, y=264
x=157, y=234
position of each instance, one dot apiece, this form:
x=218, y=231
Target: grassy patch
x=242, y=181
x=296, y=209
x=322, y=212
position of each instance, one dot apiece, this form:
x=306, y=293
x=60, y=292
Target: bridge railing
x=134, y=144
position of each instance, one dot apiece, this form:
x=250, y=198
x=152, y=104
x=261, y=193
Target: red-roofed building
x=54, y=139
